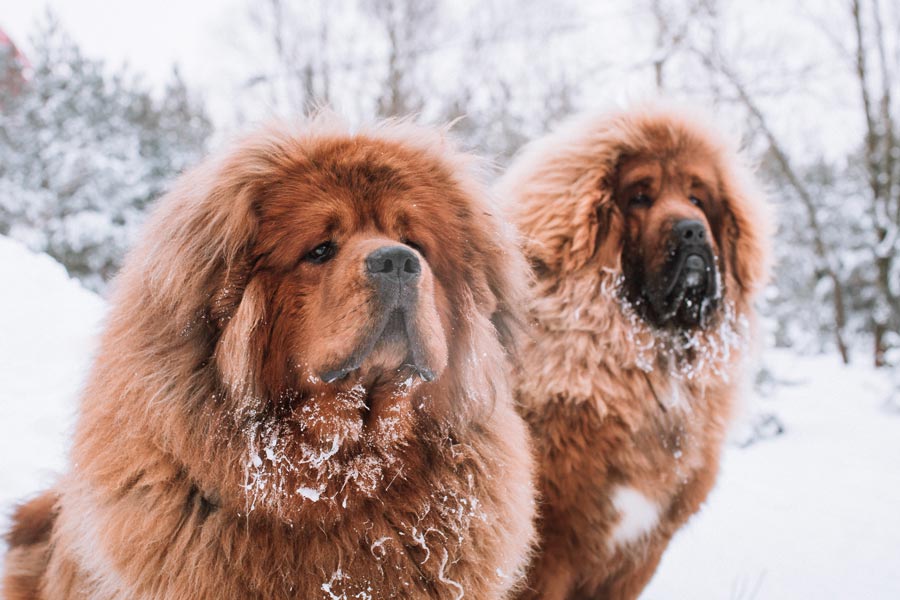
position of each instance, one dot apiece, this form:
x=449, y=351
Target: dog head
x=652, y=197
x=338, y=295
x=672, y=215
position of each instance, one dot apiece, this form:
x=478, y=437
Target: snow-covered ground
x=47, y=327
x=814, y=513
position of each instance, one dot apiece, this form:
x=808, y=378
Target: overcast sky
x=149, y=36
x=203, y=36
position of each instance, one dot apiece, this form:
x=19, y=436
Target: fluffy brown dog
x=301, y=391
x=647, y=244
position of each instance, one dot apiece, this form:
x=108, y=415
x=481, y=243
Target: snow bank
x=814, y=513
x=47, y=326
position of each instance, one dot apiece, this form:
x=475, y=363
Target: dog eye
x=322, y=253
x=414, y=245
x=640, y=200
x=696, y=201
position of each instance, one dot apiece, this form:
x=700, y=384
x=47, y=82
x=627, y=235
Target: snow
x=309, y=493
x=812, y=513
x=47, y=330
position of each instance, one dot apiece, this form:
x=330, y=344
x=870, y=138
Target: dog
x=302, y=388
x=648, y=243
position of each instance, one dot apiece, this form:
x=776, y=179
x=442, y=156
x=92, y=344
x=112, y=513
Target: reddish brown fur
x=628, y=422
x=28, y=537
x=210, y=460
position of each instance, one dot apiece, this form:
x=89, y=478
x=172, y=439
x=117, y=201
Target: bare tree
x=673, y=22
x=410, y=27
x=297, y=36
x=876, y=73
x=827, y=261
x=881, y=154
x=720, y=67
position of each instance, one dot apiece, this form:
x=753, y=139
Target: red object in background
x=13, y=65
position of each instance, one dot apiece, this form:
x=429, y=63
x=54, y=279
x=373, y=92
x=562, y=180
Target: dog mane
x=178, y=325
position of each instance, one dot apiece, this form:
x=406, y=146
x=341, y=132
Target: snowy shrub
x=83, y=152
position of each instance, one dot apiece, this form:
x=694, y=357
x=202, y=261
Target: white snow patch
x=327, y=587
x=48, y=329
x=309, y=493
x=811, y=513
x=340, y=579
x=317, y=459
x=638, y=515
x=419, y=538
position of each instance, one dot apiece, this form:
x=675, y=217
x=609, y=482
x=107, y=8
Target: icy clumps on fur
x=685, y=355
x=280, y=455
x=453, y=511
x=332, y=588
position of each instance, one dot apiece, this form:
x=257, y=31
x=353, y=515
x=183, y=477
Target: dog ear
x=509, y=323
x=499, y=285
x=746, y=230
x=237, y=355
x=597, y=229
x=230, y=290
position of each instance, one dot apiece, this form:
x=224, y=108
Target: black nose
x=394, y=262
x=689, y=231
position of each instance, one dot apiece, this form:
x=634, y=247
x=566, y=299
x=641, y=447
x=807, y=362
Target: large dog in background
x=302, y=389
x=647, y=241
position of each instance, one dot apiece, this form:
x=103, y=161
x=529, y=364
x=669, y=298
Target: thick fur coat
x=628, y=415
x=248, y=431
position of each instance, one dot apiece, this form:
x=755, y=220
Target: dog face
x=370, y=302
x=651, y=204
x=358, y=287
x=353, y=293
x=671, y=247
